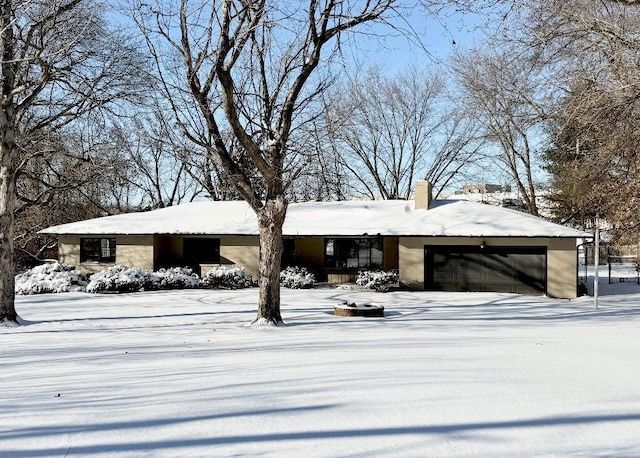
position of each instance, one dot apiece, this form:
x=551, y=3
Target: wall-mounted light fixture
x=483, y=245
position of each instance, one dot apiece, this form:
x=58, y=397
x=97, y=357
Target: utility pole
x=596, y=260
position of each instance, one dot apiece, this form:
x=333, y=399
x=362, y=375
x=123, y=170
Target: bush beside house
x=122, y=279
x=380, y=281
x=177, y=278
x=51, y=278
x=297, y=278
x=58, y=278
x=62, y=278
x=227, y=277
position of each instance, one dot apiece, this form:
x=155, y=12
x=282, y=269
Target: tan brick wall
x=242, y=251
x=132, y=251
x=135, y=251
x=69, y=249
x=561, y=260
x=562, y=266
x=411, y=261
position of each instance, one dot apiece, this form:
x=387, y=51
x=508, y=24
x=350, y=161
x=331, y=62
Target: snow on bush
x=177, y=278
x=297, y=277
x=51, y=278
x=61, y=278
x=379, y=281
x=122, y=279
x=228, y=277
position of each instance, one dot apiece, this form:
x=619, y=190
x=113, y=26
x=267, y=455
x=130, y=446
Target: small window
x=98, y=250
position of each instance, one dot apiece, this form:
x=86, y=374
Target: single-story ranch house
x=435, y=245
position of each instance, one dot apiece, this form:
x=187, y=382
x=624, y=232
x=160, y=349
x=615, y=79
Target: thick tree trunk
x=270, y=222
x=7, y=164
x=7, y=204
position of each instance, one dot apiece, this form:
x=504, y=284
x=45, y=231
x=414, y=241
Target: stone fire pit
x=353, y=309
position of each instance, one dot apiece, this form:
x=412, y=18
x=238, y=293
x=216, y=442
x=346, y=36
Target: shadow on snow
x=326, y=434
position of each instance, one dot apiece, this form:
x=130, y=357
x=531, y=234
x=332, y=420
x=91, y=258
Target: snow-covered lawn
x=177, y=373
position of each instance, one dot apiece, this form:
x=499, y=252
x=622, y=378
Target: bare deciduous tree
x=502, y=90
x=252, y=69
x=56, y=185
x=322, y=176
x=55, y=69
x=389, y=131
x=156, y=170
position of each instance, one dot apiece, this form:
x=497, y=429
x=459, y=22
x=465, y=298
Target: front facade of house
x=334, y=259
x=444, y=246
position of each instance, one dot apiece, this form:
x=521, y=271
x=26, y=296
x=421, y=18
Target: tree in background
x=595, y=166
x=56, y=184
x=321, y=176
x=502, y=90
x=386, y=132
x=59, y=62
x=594, y=48
x=156, y=173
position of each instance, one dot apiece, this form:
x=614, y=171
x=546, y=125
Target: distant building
x=484, y=188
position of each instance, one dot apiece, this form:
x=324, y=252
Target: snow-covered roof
x=391, y=217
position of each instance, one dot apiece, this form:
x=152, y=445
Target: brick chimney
x=423, y=194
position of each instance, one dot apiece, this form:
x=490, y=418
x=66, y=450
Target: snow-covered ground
x=177, y=373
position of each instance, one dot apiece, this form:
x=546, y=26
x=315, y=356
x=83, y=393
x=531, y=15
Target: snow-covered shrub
x=379, y=281
x=122, y=279
x=51, y=278
x=228, y=277
x=177, y=278
x=297, y=277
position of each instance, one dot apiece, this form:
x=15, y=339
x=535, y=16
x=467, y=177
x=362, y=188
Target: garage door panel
x=503, y=269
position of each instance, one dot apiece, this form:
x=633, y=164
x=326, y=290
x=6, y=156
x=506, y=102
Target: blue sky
x=434, y=39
